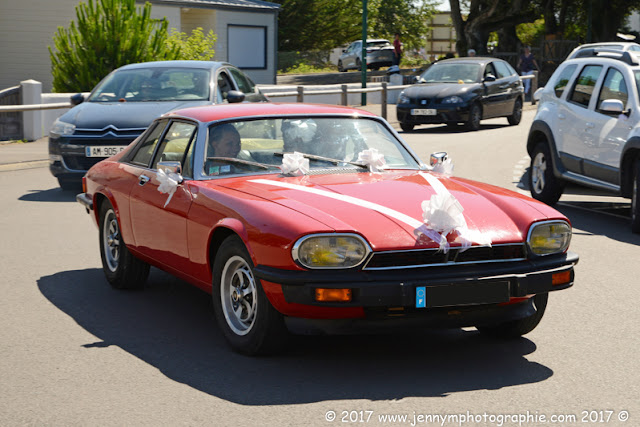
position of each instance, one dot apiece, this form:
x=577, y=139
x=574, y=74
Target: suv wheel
x=515, y=118
x=543, y=184
x=635, y=196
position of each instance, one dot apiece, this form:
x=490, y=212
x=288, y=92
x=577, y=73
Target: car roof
x=177, y=64
x=604, y=55
x=468, y=60
x=210, y=113
x=607, y=44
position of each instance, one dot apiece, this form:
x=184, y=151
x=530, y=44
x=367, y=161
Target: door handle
x=143, y=180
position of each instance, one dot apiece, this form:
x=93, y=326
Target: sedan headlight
x=452, y=100
x=330, y=251
x=549, y=237
x=61, y=128
x=403, y=99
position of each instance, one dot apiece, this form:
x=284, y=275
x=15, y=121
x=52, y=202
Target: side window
x=243, y=82
x=175, y=143
x=614, y=87
x=145, y=150
x=563, y=80
x=489, y=70
x=584, y=85
x=224, y=86
x=502, y=69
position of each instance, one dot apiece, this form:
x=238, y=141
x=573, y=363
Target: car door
x=602, y=158
x=577, y=123
x=224, y=84
x=508, y=84
x=491, y=102
x=352, y=54
x=159, y=220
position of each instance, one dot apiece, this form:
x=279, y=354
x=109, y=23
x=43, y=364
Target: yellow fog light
x=330, y=251
x=333, y=295
x=549, y=237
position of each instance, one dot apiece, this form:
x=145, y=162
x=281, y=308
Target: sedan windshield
x=452, y=73
x=327, y=143
x=153, y=84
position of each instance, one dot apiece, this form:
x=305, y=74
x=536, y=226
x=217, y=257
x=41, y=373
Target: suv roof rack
x=625, y=56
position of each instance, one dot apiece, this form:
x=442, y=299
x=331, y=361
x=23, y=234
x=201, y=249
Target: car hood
x=387, y=208
x=440, y=90
x=122, y=115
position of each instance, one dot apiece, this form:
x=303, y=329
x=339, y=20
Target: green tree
x=107, y=35
x=197, y=46
x=409, y=18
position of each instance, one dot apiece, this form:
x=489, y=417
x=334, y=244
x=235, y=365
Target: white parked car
x=621, y=46
x=379, y=54
x=587, y=129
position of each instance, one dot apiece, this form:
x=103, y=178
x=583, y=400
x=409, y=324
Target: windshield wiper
x=325, y=159
x=243, y=162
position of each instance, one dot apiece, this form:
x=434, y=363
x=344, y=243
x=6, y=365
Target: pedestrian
x=471, y=52
x=397, y=50
x=527, y=64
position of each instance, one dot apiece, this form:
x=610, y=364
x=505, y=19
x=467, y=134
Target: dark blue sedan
x=462, y=90
x=125, y=102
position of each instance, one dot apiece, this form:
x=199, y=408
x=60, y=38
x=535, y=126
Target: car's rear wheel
x=635, y=198
x=246, y=317
x=543, y=184
x=475, y=115
x=520, y=327
x=121, y=268
x=515, y=118
x=357, y=63
x=407, y=127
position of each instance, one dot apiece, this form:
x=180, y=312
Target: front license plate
x=462, y=294
x=423, y=112
x=104, y=150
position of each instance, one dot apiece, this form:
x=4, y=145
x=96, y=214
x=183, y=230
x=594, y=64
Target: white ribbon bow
x=168, y=183
x=373, y=159
x=294, y=164
x=442, y=214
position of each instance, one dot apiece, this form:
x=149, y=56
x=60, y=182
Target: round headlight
x=330, y=251
x=549, y=237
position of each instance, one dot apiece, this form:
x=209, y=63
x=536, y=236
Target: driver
x=224, y=141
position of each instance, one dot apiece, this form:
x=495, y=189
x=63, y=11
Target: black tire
x=340, y=69
x=514, y=119
x=452, y=125
x=257, y=329
x=358, y=64
x=70, y=185
x=122, y=269
x=407, y=127
x=635, y=198
x=518, y=328
x=543, y=184
x=475, y=115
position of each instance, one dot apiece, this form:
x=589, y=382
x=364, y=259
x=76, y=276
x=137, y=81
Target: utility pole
x=363, y=63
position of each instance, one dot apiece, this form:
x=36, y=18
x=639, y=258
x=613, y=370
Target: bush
x=196, y=47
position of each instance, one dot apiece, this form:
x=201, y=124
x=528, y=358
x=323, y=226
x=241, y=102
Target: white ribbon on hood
x=373, y=159
x=294, y=164
x=443, y=214
x=168, y=183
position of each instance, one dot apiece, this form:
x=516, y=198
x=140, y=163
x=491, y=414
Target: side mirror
x=437, y=158
x=489, y=78
x=538, y=94
x=171, y=167
x=611, y=107
x=76, y=99
x=234, y=96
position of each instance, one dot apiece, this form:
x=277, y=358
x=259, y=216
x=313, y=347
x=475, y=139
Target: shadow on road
x=458, y=129
x=50, y=195
x=170, y=326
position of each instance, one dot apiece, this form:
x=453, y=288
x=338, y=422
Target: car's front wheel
x=246, y=317
x=635, y=198
x=121, y=268
x=515, y=118
x=407, y=127
x=340, y=67
x=475, y=115
x=520, y=327
x=543, y=184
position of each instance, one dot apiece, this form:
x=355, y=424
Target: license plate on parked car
x=104, y=150
x=423, y=112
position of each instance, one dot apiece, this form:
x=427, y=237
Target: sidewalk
x=24, y=155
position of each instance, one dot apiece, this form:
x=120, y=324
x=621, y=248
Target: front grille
x=455, y=256
x=73, y=151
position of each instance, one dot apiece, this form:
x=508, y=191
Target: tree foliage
x=326, y=24
x=197, y=46
x=106, y=35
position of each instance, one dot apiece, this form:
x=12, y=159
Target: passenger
x=224, y=141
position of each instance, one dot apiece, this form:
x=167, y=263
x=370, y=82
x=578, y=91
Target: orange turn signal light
x=333, y=295
x=561, y=278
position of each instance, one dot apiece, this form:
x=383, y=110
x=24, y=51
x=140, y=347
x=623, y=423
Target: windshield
x=154, y=84
x=328, y=143
x=379, y=43
x=452, y=73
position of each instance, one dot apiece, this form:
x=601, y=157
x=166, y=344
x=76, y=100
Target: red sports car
x=321, y=216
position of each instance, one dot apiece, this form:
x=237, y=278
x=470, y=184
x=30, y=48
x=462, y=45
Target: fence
x=37, y=117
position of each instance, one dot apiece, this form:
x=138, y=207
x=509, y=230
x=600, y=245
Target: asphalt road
x=76, y=352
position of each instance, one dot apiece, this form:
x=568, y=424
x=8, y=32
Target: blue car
x=125, y=102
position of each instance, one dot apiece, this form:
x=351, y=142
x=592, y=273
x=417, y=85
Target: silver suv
x=587, y=128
